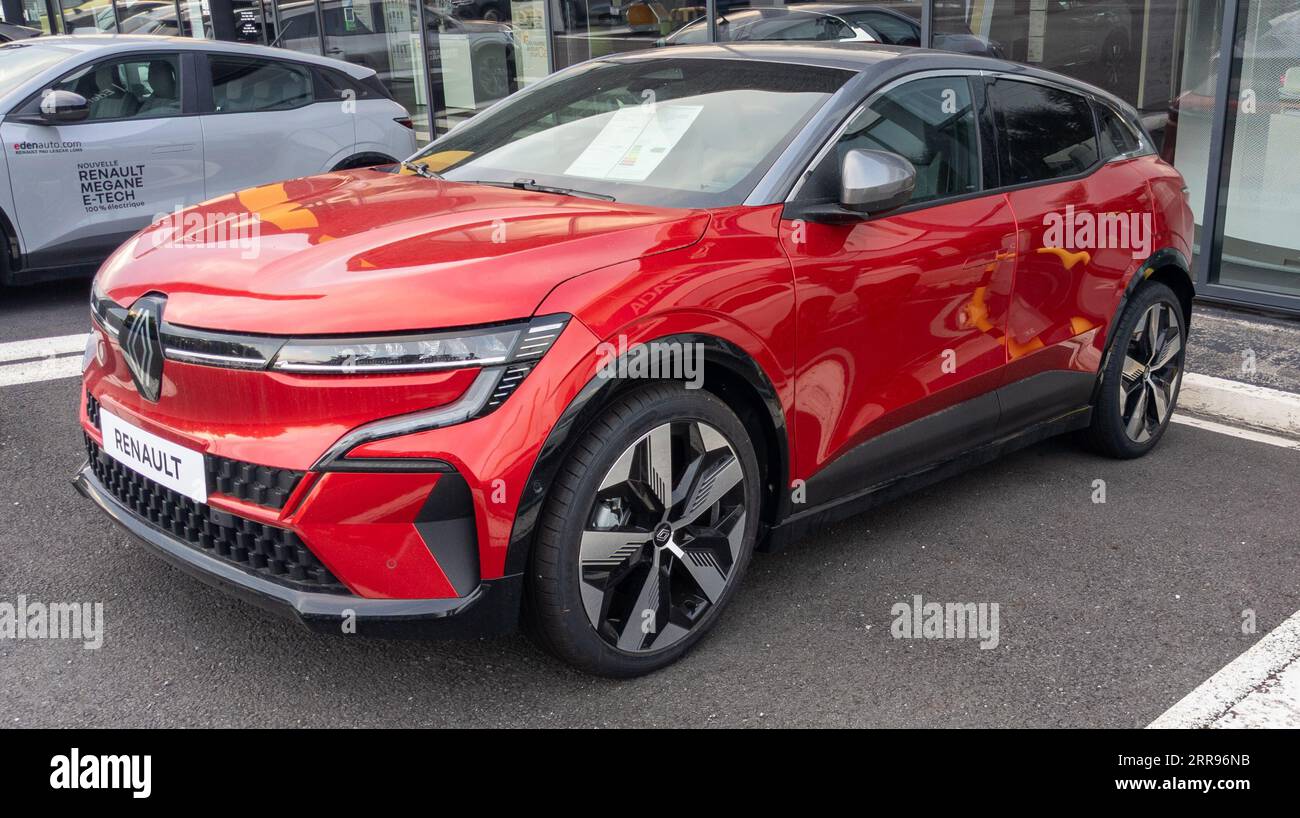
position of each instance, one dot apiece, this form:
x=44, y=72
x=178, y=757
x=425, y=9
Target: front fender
x=604, y=384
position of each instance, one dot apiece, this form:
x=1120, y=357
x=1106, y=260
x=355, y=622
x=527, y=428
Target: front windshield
x=20, y=62
x=668, y=132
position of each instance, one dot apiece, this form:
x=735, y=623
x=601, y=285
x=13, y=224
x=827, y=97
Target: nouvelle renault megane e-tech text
x=576, y=360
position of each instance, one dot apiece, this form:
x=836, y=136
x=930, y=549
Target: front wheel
x=1140, y=385
x=646, y=532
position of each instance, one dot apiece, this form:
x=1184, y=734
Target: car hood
x=368, y=251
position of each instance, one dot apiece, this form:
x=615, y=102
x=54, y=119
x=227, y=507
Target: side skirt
x=799, y=525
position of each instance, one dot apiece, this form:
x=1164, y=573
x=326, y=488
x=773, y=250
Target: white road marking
x=1248, y=688
x=42, y=347
x=46, y=369
x=1236, y=431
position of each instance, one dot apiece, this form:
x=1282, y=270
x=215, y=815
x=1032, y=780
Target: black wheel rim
x=1114, y=64
x=1152, y=365
x=663, y=536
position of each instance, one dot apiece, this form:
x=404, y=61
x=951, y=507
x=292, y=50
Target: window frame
x=991, y=148
x=207, y=101
x=1145, y=146
x=184, y=67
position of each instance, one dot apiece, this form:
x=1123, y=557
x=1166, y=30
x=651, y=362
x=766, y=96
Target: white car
x=104, y=134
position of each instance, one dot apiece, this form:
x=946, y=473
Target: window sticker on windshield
x=634, y=141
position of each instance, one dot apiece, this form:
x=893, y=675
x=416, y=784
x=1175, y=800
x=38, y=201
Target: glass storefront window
x=895, y=23
x=1260, y=185
x=195, y=20
x=295, y=26
x=93, y=17
x=1098, y=41
x=1183, y=129
x=383, y=35
x=473, y=62
x=584, y=29
x=36, y=14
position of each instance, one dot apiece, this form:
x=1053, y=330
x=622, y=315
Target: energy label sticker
x=634, y=141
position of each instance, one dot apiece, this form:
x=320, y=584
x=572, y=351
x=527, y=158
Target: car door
x=901, y=317
x=264, y=122
x=1085, y=226
x=80, y=189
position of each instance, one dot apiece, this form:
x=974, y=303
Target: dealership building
x=1231, y=125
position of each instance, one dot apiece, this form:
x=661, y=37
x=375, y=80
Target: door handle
x=173, y=148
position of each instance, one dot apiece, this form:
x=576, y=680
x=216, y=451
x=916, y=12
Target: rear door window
x=1044, y=132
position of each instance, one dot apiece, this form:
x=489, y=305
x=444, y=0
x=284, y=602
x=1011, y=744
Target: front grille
x=92, y=409
x=267, y=551
x=260, y=485
x=249, y=482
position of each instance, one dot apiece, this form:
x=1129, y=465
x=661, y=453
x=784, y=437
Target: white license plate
x=176, y=467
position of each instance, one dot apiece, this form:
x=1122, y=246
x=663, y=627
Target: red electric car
x=580, y=357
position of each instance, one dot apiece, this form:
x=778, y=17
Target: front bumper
x=491, y=608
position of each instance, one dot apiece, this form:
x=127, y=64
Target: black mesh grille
x=92, y=409
x=251, y=483
x=274, y=553
x=261, y=485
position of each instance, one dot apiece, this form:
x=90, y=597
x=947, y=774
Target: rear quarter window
x=1115, y=133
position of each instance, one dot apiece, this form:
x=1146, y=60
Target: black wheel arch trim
x=1164, y=258
x=599, y=393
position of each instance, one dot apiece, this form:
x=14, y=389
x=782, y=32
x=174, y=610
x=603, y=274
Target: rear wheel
x=646, y=533
x=1141, y=381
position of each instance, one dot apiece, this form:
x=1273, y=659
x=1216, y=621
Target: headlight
x=505, y=357
x=412, y=353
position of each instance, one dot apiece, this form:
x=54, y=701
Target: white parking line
x=46, y=369
x=42, y=347
x=1247, y=689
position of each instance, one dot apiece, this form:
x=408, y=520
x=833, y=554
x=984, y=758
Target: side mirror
x=875, y=181
x=61, y=108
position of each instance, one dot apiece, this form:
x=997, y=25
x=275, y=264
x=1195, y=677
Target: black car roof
x=883, y=61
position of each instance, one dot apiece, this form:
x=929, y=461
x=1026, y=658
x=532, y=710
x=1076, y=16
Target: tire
x=1152, y=351
x=582, y=602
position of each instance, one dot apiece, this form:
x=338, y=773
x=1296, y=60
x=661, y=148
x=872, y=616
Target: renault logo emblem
x=142, y=345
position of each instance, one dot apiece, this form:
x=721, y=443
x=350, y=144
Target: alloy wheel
x=1152, y=365
x=1113, y=63
x=663, y=536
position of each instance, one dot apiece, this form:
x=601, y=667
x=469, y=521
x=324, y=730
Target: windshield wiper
x=531, y=184
x=419, y=170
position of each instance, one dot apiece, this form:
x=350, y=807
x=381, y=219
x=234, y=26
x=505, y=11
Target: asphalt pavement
x=1109, y=612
